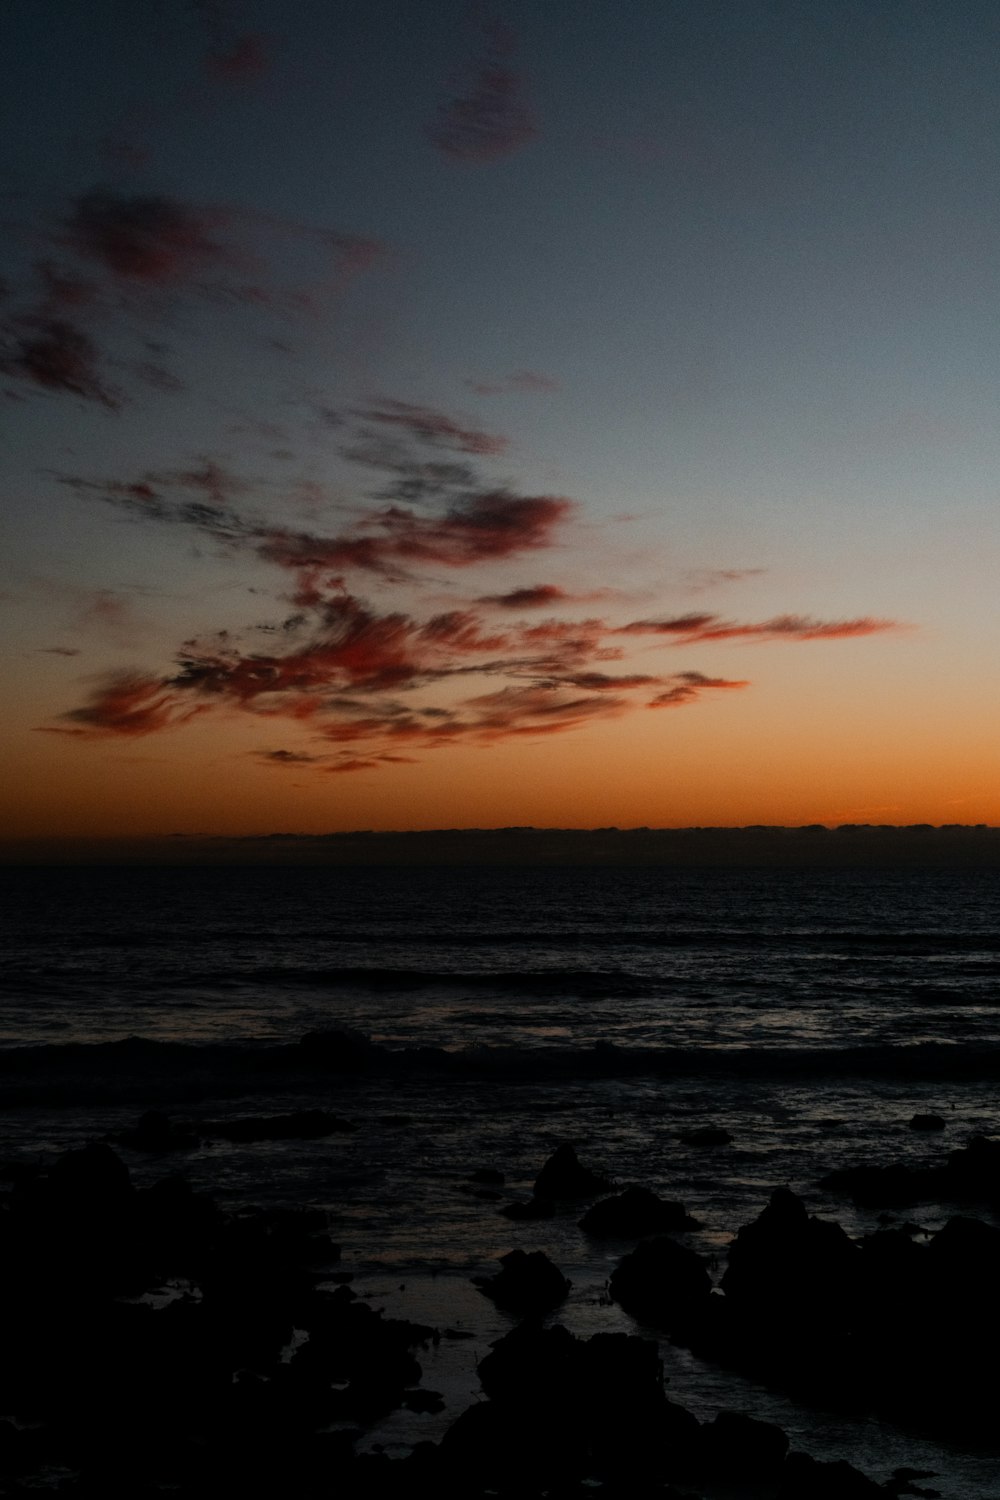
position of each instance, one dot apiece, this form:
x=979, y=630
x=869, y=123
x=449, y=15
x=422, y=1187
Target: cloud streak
x=520, y=381
x=487, y=115
x=115, y=262
x=371, y=682
x=695, y=628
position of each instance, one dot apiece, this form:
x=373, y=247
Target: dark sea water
x=510, y=1009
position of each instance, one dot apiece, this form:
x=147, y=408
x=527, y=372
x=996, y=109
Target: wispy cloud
x=127, y=704
x=242, y=60
x=55, y=355
x=521, y=380
x=145, y=239
x=115, y=262
x=434, y=427
x=710, y=578
x=367, y=682
x=687, y=686
x=486, y=116
x=694, y=628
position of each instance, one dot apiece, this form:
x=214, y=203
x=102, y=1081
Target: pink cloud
x=521, y=380
x=244, y=59
x=690, y=685
x=56, y=356
x=538, y=596
x=129, y=704
x=435, y=427
x=691, y=629
x=487, y=116
x=148, y=239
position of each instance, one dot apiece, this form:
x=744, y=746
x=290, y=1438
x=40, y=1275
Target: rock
x=526, y=1283
x=301, y=1125
x=533, y=1208
x=564, y=1176
x=662, y=1283
x=873, y=1187
x=489, y=1176
x=975, y=1170
x=739, y=1447
x=805, y=1478
x=155, y=1132
x=421, y=1400
x=340, y=1051
x=633, y=1213
x=706, y=1135
x=791, y=1272
x=93, y=1178
x=927, y=1122
x=562, y=1408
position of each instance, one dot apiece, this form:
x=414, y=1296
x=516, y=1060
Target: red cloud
x=688, y=686
x=683, y=625
x=691, y=629
x=361, y=678
x=55, y=355
x=285, y=757
x=129, y=704
x=539, y=596
x=150, y=239
x=358, y=649
x=245, y=58
x=482, y=527
x=432, y=426
x=521, y=380
x=487, y=117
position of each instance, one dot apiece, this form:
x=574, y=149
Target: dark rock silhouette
x=972, y=1172
x=805, y=1478
x=340, y=1051
x=156, y=1133
x=302, y=1124
x=368, y=1354
x=662, y=1283
x=636, y=1212
x=528, y=1209
x=739, y=1447
x=527, y=1283
x=928, y=1122
x=706, y=1135
x=789, y=1269
x=562, y=1408
x=564, y=1176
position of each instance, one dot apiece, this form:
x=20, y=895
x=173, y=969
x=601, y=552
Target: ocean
x=476, y=1017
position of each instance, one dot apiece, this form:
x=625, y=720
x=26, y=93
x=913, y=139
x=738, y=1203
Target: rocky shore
x=154, y=1343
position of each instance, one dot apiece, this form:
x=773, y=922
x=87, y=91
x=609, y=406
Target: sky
x=438, y=415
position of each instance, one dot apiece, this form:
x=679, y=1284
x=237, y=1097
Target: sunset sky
x=425, y=414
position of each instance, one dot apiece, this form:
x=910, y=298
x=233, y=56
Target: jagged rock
x=526, y=1284
x=661, y=1282
x=789, y=1269
x=340, y=1051
x=156, y=1133
x=301, y=1124
x=927, y=1122
x=805, y=1478
x=874, y=1186
x=532, y=1208
x=561, y=1409
x=636, y=1212
x=92, y=1178
x=706, y=1135
x=564, y=1176
x=740, y=1447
